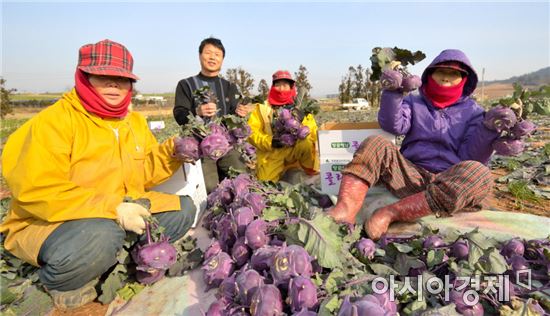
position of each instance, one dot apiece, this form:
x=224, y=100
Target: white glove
x=130, y=217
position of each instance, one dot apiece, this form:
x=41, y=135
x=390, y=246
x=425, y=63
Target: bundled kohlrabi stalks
x=389, y=65
x=287, y=126
x=274, y=252
x=155, y=257
x=213, y=139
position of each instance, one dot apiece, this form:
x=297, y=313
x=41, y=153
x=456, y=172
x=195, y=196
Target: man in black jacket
x=211, y=55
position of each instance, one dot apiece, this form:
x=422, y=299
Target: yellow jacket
x=66, y=164
x=273, y=162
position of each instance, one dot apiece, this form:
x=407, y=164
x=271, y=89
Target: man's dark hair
x=212, y=41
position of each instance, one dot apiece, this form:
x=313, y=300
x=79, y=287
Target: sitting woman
x=441, y=166
x=275, y=155
x=72, y=169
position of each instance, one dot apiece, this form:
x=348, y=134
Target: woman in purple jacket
x=441, y=166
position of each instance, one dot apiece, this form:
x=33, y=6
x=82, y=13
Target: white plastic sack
x=188, y=180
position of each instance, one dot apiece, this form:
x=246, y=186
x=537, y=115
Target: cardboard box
x=345, y=138
x=337, y=144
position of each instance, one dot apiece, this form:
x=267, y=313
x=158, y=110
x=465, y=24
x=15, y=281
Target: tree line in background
x=245, y=83
x=357, y=83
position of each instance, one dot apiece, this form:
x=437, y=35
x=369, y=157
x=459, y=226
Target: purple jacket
x=436, y=139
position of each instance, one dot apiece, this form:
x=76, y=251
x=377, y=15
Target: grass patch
x=34, y=96
x=522, y=193
x=512, y=165
x=9, y=125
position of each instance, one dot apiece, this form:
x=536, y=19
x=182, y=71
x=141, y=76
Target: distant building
x=160, y=100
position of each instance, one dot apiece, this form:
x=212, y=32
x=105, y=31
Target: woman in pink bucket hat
x=71, y=170
x=275, y=156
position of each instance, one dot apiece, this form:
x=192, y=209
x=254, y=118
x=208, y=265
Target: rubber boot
x=350, y=199
x=407, y=209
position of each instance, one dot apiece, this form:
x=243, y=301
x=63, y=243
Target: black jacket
x=226, y=92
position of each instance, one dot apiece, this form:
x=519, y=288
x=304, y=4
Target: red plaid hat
x=282, y=74
x=106, y=58
x=453, y=65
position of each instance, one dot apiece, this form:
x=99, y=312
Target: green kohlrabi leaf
x=321, y=237
x=329, y=306
x=273, y=213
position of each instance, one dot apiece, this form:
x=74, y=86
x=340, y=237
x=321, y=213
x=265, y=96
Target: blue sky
x=40, y=40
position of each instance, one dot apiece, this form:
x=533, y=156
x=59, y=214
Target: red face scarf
x=94, y=103
x=442, y=96
x=278, y=98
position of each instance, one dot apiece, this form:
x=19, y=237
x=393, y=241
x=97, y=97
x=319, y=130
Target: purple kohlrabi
x=305, y=312
x=216, y=269
x=266, y=301
x=460, y=250
x=240, y=252
x=248, y=282
x=366, y=248
x=215, y=146
x=385, y=301
x=212, y=250
x=506, y=146
x=292, y=125
x=288, y=140
x=262, y=258
x=512, y=247
x=303, y=132
x=243, y=216
x=500, y=119
x=241, y=132
x=411, y=83
x=517, y=264
x=368, y=305
x=302, y=292
x=186, y=148
x=159, y=255
x=149, y=277
x=285, y=115
x=249, y=149
x=433, y=241
x=217, y=308
x=228, y=288
x=391, y=79
x=226, y=232
x=255, y=201
x=523, y=128
x=461, y=299
x=290, y=261
x=216, y=128
x=256, y=234
x=241, y=185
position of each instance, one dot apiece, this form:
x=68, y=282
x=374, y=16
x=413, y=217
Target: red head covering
x=93, y=102
x=442, y=96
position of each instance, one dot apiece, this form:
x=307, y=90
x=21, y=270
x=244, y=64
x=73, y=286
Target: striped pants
x=461, y=187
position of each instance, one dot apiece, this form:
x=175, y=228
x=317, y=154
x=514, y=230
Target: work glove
x=130, y=217
x=276, y=143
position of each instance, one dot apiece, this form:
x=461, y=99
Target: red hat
x=106, y=58
x=453, y=65
x=282, y=75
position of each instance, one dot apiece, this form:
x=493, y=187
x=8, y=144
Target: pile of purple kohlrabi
x=213, y=139
x=255, y=272
x=154, y=258
x=288, y=128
